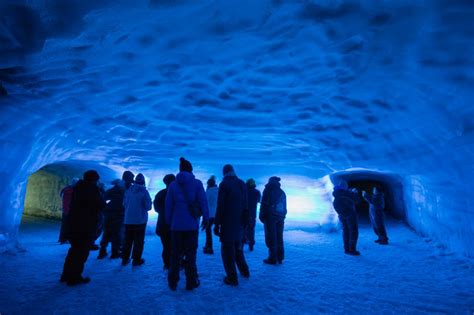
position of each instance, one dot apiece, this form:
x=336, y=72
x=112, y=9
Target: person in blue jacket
x=137, y=203
x=184, y=195
x=344, y=203
x=376, y=206
x=231, y=216
x=254, y=197
x=272, y=214
x=162, y=229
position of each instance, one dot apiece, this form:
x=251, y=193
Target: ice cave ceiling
x=315, y=86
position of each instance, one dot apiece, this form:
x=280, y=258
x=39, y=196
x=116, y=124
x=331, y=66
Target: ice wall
x=276, y=87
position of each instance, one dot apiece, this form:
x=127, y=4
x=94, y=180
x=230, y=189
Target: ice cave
x=316, y=92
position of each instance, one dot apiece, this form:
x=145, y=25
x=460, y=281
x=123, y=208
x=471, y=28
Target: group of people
x=345, y=203
x=121, y=214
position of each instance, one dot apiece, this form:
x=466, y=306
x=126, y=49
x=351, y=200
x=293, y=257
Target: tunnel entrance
x=42, y=197
x=365, y=180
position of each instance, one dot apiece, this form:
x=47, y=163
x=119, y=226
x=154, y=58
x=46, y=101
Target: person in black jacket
x=113, y=220
x=344, y=203
x=231, y=214
x=272, y=214
x=253, y=196
x=376, y=206
x=162, y=229
x=86, y=204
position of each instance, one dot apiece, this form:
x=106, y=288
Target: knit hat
x=185, y=165
x=91, y=176
x=227, y=169
x=274, y=179
x=127, y=177
x=251, y=182
x=168, y=179
x=211, y=181
x=140, y=179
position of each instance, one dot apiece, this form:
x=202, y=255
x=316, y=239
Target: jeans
x=232, y=255
x=274, y=226
x=183, y=243
x=350, y=232
x=134, y=237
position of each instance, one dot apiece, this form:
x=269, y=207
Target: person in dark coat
x=185, y=195
x=344, y=203
x=376, y=207
x=162, y=229
x=211, y=194
x=66, y=197
x=272, y=214
x=231, y=216
x=86, y=204
x=253, y=197
x=113, y=220
x=137, y=203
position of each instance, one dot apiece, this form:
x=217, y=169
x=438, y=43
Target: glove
x=217, y=231
x=204, y=224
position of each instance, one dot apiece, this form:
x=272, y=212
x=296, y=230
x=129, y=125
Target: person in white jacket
x=211, y=193
x=137, y=203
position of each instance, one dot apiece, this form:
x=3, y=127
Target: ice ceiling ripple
x=304, y=87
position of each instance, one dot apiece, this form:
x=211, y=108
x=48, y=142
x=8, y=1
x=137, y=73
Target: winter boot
x=139, y=262
x=81, y=280
x=102, y=253
x=269, y=261
x=115, y=254
x=352, y=252
x=192, y=284
x=230, y=282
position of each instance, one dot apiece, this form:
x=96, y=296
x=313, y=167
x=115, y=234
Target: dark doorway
x=365, y=180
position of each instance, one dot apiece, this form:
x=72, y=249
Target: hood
x=338, y=187
x=184, y=177
x=137, y=188
x=273, y=184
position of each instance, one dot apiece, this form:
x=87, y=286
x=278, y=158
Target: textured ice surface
x=411, y=276
x=274, y=87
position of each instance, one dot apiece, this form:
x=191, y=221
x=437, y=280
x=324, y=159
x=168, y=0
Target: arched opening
x=365, y=180
x=42, y=198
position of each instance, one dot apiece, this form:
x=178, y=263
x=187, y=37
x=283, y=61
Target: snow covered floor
x=412, y=275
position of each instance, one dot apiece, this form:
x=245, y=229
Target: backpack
x=278, y=207
x=194, y=207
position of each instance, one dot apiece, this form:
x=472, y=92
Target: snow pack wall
x=304, y=88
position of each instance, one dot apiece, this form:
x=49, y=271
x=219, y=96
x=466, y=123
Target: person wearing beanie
x=162, y=229
x=272, y=215
x=114, y=214
x=128, y=178
x=185, y=203
x=345, y=201
x=253, y=197
x=82, y=221
x=66, y=196
x=231, y=217
x=137, y=203
x=211, y=194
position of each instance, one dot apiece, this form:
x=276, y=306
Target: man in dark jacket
x=113, y=220
x=344, y=203
x=231, y=216
x=272, y=214
x=66, y=196
x=253, y=196
x=376, y=207
x=183, y=195
x=86, y=204
x=162, y=229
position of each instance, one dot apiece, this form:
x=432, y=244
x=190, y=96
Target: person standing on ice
x=344, y=203
x=253, y=197
x=82, y=221
x=272, y=214
x=137, y=203
x=231, y=216
x=66, y=196
x=162, y=229
x=211, y=194
x=185, y=204
x=113, y=220
x=376, y=207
